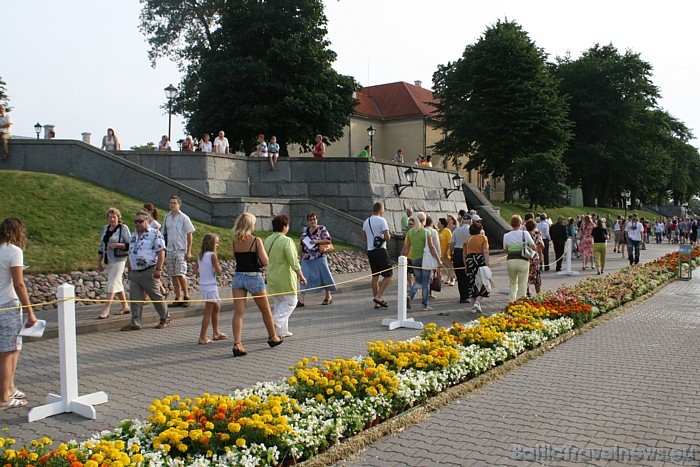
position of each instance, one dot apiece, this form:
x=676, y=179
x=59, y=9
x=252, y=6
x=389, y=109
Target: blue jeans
x=422, y=280
x=633, y=245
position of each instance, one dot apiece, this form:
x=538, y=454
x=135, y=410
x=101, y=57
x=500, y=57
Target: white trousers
x=284, y=306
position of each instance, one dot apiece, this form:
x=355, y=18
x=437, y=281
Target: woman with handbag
x=113, y=251
x=425, y=257
x=251, y=261
x=316, y=242
x=518, y=245
x=476, y=255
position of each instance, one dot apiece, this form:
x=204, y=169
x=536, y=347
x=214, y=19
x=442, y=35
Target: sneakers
x=186, y=303
x=175, y=304
x=451, y=283
x=427, y=308
x=131, y=327
x=477, y=308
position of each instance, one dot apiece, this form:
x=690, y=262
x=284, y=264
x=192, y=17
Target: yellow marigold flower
x=182, y=447
x=33, y=456
x=136, y=459
x=135, y=448
x=166, y=447
x=10, y=454
x=61, y=447
x=240, y=442
x=91, y=463
x=117, y=464
x=209, y=453
x=234, y=427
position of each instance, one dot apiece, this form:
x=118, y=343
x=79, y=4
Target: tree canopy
x=252, y=67
x=500, y=108
x=4, y=99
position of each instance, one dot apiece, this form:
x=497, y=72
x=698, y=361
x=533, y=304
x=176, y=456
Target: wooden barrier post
x=68, y=400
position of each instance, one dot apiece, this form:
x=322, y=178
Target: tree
x=500, y=104
x=4, y=99
x=610, y=95
x=247, y=75
x=150, y=146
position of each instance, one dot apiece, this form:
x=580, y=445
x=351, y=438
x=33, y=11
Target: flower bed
x=276, y=423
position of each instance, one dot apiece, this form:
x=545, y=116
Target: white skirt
x=115, y=273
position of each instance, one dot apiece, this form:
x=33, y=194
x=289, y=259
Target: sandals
x=380, y=303
x=104, y=314
x=273, y=343
x=14, y=403
x=18, y=395
x=327, y=301
x=220, y=337
x=237, y=352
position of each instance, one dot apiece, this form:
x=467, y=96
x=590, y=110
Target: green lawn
x=509, y=209
x=64, y=218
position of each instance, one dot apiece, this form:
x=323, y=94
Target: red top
x=318, y=150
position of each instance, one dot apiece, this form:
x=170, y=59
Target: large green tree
x=3, y=93
x=611, y=97
x=500, y=105
x=252, y=66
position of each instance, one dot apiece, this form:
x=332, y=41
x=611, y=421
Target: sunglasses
x=138, y=221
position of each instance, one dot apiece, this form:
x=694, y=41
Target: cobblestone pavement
x=630, y=384
x=135, y=368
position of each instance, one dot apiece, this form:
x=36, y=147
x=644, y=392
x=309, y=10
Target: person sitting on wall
x=366, y=153
x=398, y=157
x=188, y=144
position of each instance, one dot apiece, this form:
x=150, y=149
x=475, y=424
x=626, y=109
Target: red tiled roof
x=394, y=101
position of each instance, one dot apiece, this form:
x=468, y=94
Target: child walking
x=207, y=266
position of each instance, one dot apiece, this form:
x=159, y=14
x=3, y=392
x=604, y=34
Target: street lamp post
x=170, y=93
x=37, y=129
x=625, y=196
x=371, y=131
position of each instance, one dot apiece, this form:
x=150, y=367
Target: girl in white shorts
x=208, y=268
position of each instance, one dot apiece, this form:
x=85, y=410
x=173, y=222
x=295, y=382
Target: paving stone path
x=631, y=381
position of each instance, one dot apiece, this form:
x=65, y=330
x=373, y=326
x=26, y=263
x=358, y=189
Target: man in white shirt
x=543, y=227
x=634, y=230
x=177, y=229
x=374, y=230
x=5, y=131
x=221, y=144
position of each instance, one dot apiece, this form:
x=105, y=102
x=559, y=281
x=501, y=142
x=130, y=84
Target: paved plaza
x=632, y=382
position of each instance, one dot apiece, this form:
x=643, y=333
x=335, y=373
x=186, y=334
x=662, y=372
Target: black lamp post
x=456, y=183
x=625, y=196
x=37, y=129
x=371, y=131
x=170, y=93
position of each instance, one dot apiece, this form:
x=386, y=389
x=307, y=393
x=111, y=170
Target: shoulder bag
x=526, y=252
x=429, y=261
x=378, y=241
x=119, y=253
x=323, y=247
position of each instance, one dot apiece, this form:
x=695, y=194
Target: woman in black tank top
x=251, y=261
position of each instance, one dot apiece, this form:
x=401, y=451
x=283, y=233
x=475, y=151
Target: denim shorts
x=10, y=324
x=251, y=281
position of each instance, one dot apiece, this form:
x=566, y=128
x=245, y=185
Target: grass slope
x=64, y=218
x=509, y=209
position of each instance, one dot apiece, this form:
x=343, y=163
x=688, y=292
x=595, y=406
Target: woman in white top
x=153, y=213
x=110, y=142
x=12, y=293
x=205, y=144
x=517, y=266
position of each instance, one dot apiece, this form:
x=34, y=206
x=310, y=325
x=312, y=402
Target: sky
x=82, y=65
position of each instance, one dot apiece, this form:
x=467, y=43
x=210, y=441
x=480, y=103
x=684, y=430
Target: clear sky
x=82, y=65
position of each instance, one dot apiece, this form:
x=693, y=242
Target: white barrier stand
x=567, y=261
x=68, y=401
x=402, y=321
